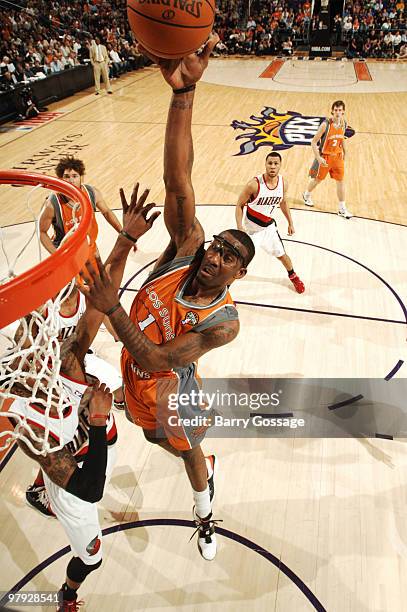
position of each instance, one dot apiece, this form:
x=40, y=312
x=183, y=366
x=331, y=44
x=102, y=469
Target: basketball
x=171, y=28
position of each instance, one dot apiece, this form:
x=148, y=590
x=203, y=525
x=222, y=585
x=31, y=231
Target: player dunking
x=254, y=214
x=328, y=146
x=184, y=309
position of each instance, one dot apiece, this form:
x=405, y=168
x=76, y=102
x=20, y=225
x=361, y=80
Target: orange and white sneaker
x=297, y=282
x=212, y=466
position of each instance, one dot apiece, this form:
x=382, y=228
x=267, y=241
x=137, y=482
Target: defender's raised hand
x=135, y=221
x=100, y=404
x=180, y=73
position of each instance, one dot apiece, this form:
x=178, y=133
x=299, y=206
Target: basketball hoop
x=32, y=288
x=30, y=363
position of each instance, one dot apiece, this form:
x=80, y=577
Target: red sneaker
x=297, y=282
x=70, y=606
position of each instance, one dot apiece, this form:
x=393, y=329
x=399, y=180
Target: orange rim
x=35, y=286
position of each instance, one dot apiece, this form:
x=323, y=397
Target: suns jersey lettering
x=331, y=142
x=162, y=313
x=260, y=208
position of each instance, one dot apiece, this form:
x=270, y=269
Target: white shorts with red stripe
x=79, y=518
x=266, y=238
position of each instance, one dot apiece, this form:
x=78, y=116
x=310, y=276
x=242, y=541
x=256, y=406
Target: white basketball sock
x=202, y=503
x=342, y=205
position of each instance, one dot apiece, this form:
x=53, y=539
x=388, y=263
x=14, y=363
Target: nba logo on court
x=278, y=130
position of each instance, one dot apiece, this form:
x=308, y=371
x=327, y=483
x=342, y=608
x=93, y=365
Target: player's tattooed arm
x=59, y=465
x=176, y=353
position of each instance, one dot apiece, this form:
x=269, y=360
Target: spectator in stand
x=403, y=51
x=57, y=65
x=288, y=47
x=396, y=42
x=116, y=62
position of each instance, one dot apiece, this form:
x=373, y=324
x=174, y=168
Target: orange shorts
x=335, y=166
x=150, y=404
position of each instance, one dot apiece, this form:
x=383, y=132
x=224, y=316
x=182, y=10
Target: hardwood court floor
x=331, y=510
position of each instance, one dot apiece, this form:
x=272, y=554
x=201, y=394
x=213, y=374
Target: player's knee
x=192, y=456
x=77, y=570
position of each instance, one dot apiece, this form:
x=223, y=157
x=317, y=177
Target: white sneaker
x=206, y=536
x=307, y=200
x=344, y=212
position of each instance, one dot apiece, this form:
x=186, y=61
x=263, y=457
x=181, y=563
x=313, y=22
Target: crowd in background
x=373, y=28
x=367, y=28
x=49, y=36
x=271, y=27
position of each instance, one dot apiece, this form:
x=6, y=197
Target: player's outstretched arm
x=249, y=190
x=136, y=222
x=179, y=211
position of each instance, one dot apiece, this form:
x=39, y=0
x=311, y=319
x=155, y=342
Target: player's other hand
x=180, y=73
x=98, y=287
x=135, y=215
x=322, y=161
x=100, y=404
x=291, y=230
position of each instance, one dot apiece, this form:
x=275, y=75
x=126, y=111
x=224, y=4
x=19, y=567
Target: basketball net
x=30, y=365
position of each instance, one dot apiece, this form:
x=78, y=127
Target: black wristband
x=113, y=309
x=126, y=235
x=184, y=89
x=88, y=482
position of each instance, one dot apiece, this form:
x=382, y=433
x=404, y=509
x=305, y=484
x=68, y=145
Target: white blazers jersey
x=61, y=430
x=67, y=325
x=259, y=210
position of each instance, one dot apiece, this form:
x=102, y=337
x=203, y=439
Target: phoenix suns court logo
x=278, y=130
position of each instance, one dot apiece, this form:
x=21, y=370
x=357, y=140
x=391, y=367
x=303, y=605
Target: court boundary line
x=231, y=535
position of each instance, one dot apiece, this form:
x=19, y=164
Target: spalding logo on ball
x=171, y=28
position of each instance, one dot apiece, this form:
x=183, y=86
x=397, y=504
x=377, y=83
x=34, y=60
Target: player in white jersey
x=75, y=475
x=254, y=214
x=72, y=308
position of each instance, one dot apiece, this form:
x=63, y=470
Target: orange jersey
x=63, y=220
x=162, y=313
x=331, y=142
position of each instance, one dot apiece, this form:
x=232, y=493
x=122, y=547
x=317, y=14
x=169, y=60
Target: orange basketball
x=171, y=28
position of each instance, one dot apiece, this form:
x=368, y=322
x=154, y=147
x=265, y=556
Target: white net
x=30, y=352
x=30, y=372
